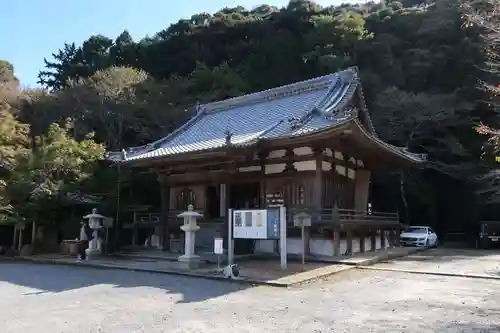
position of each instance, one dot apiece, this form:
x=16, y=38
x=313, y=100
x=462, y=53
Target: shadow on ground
x=55, y=279
x=446, y=255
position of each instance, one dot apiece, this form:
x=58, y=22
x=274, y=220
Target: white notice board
x=218, y=245
x=250, y=224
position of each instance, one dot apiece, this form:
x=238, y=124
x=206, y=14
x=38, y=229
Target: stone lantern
x=95, y=223
x=190, y=228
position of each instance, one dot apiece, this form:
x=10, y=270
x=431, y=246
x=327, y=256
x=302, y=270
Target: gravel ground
x=446, y=260
x=51, y=299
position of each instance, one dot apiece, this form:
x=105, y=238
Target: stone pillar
x=94, y=248
x=190, y=258
x=95, y=223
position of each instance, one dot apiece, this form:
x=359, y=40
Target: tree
x=485, y=16
x=38, y=179
x=14, y=146
x=418, y=63
x=6, y=72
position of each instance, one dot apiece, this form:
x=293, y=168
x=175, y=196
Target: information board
x=273, y=223
x=256, y=223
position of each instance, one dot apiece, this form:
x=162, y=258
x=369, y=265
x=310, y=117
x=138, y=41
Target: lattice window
x=343, y=191
x=328, y=197
x=349, y=189
x=290, y=194
x=185, y=198
x=298, y=195
x=340, y=192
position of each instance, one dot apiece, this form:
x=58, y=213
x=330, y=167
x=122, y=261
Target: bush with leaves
x=39, y=178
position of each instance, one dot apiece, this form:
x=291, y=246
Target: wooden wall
x=298, y=177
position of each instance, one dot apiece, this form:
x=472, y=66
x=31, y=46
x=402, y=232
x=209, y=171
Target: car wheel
x=427, y=243
x=436, y=243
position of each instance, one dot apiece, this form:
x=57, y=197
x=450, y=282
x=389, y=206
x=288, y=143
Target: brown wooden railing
x=325, y=216
x=331, y=216
x=354, y=216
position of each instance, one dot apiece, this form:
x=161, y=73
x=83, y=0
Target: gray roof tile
x=292, y=110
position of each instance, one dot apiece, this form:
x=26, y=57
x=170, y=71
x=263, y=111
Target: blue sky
x=32, y=29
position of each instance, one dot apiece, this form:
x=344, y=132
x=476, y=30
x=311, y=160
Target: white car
x=419, y=236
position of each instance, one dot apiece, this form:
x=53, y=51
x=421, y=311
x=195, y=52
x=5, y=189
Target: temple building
x=309, y=145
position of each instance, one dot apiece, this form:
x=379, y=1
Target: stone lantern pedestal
x=190, y=259
x=95, y=223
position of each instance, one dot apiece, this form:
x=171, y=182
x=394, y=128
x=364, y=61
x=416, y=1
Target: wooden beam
x=165, y=208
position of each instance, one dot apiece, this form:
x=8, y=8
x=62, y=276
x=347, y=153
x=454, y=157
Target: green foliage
x=419, y=64
x=57, y=166
x=36, y=170
x=484, y=16
x=6, y=72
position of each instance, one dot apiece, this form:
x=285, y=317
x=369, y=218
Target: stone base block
x=194, y=264
x=92, y=254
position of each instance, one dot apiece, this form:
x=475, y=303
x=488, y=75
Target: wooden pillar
x=361, y=190
x=318, y=178
x=20, y=241
x=230, y=171
x=391, y=238
x=373, y=239
x=336, y=242
x=362, y=241
x=228, y=206
x=165, y=209
x=223, y=204
x=349, y=242
x=382, y=238
x=262, y=163
x=14, y=237
x=318, y=199
x=397, y=235
x=33, y=235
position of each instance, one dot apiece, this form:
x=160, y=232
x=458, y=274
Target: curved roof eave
x=221, y=150
x=399, y=151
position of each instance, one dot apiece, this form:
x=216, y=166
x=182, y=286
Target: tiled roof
x=292, y=110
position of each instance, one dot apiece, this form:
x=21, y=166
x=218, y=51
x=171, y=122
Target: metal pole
x=230, y=245
x=283, y=250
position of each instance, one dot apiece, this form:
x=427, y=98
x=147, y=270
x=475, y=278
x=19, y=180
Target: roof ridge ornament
x=294, y=122
x=228, y=135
